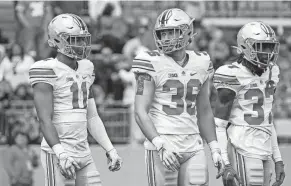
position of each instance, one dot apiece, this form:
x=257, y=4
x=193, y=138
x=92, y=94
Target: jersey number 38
x=182, y=97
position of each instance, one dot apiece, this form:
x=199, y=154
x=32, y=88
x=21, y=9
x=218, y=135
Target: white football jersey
x=70, y=91
x=251, y=114
x=173, y=107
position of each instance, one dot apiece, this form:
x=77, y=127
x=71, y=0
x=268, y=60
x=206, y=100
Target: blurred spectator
x=5, y=181
x=22, y=92
x=32, y=17
x=117, y=88
x=15, y=66
x=106, y=7
x=283, y=91
x=115, y=38
x=73, y=7
x=5, y=100
x=108, y=28
x=137, y=44
x=99, y=94
x=195, y=9
x=3, y=39
x=128, y=79
x=106, y=70
x=20, y=160
x=102, y=68
x=6, y=95
x=102, y=15
x=201, y=39
x=218, y=49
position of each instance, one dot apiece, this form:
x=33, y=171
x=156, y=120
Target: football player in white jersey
x=171, y=97
x=66, y=107
x=243, y=113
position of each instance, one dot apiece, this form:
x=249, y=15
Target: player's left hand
x=280, y=173
x=229, y=176
x=216, y=156
x=218, y=163
x=114, y=160
x=68, y=166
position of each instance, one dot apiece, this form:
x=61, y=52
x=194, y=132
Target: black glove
x=229, y=176
x=280, y=173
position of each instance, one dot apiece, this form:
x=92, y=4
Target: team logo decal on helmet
x=165, y=17
x=267, y=30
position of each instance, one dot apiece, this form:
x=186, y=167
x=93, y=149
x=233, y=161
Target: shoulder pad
x=42, y=71
x=202, y=54
x=210, y=69
x=225, y=77
x=275, y=73
x=202, y=58
x=227, y=70
x=143, y=62
x=87, y=67
x=276, y=70
x=43, y=67
x=86, y=64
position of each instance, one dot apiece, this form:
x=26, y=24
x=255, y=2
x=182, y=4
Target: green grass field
x=133, y=172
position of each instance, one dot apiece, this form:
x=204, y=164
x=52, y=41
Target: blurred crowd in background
x=120, y=29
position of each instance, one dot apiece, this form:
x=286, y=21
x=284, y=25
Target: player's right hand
x=229, y=176
x=68, y=166
x=167, y=153
x=114, y=160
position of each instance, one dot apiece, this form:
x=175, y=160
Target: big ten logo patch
x=68, y=79
x=172, y=75
x=253, y=85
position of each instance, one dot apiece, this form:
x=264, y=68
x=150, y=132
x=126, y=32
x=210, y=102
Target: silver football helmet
x=257, y=41
x=178, y=22
x=69, y=34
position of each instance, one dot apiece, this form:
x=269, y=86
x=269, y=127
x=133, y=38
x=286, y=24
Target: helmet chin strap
x=68, y=55
x=270, y=68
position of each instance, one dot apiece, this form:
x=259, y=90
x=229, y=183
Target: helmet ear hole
x=51, y=43
x=56, y=40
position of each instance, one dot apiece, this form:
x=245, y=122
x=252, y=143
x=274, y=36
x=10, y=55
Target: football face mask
x=257, y=41
x=263, y=52
x=80, y=45
x=171, y=39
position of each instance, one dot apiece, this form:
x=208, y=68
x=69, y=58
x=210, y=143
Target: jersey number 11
x=75, y=90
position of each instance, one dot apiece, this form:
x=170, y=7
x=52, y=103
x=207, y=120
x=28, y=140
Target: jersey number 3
x=190, y=96
x=75, y=90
